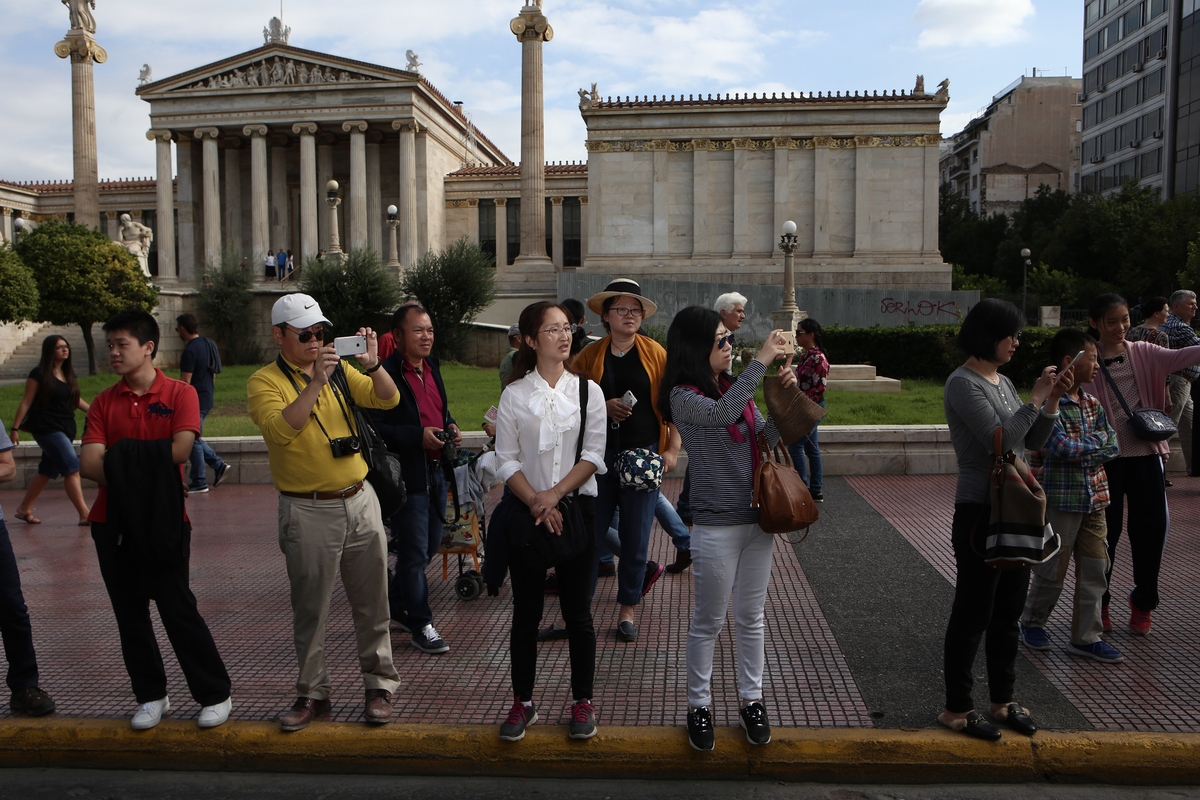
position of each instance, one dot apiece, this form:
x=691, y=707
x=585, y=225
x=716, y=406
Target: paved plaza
x=855, y=623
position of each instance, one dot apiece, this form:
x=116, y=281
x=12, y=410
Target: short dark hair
x=1152, y=306
x=690, y=341
x=575, y=309
x=188, y=322
x=137, y=323
x=1067, y=342
x=988, y=322
x=402, y=312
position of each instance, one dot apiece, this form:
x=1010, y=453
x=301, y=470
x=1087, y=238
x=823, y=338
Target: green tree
x=355, y=291
x=18, y=290
x=966, y=239
x=83, y=278
x=226, y=305
x=454, y=286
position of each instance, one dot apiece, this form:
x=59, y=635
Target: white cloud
x=957, y=23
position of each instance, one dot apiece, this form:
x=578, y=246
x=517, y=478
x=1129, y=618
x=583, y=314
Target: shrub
x=226, y=305
x=454, y=286
x=355, y=291
x=18, y=290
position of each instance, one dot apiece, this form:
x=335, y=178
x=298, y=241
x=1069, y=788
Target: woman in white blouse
x=537, y=431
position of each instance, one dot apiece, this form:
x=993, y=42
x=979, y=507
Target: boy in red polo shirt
x=139, y=434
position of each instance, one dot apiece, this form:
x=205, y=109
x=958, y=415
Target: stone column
x=324, y=176
x=6, y=224
x=408, y=190
x=662, y=198
x=308, y=189
x=164, y=206
x=233, y=195
x=741, y=197
x=700, y=198
x=185, y=192
x=862, y=195
x=532, y=29
x=210, y=182
x=82, y=49
x=259, y=220
x=584, y=224
x=374, y=194
x=820, y=221
x=356, y=224
x=556, y=232
x=280, y=201
x=929, y=236
x=501, y=232
x=782, y=147
x=110, y=226
x=473, y=220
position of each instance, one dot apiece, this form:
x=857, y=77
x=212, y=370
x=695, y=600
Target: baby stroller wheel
x=467, y=587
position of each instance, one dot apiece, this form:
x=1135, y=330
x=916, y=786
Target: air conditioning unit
x=1102, y=88
x=1138, y=67
x=1097, y=159
x=1162, y=54
x=1134, y=143
x=1157, y=134
x=1083, y=96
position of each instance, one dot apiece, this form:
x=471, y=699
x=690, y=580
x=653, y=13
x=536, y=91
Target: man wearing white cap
x=329, y=517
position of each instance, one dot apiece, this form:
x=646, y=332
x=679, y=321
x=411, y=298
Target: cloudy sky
x=628, y=47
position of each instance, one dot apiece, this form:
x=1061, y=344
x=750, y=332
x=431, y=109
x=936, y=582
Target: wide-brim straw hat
x=795, y=414
x=622, y=286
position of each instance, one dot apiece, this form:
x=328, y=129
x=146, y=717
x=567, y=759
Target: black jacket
x=145, y=499
x=401, y=427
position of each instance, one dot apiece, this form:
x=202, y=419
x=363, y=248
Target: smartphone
x=629, y=400
x=1074, y=361
x=789, y=339
x=350, y=345
x=492, y=414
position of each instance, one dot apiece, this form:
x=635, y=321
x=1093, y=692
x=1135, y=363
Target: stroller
x=464, y=521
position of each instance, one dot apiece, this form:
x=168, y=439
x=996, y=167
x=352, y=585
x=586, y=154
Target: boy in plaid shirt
x=1071, y=470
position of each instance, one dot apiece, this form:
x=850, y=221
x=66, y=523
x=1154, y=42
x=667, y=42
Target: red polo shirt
x=170, y=406
x=429, y=399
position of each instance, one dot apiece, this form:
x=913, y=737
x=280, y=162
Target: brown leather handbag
x=783, y=501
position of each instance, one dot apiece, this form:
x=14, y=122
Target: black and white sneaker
x=701, y=735
x=753, y=719
x=427, y=640
x=219, y=473
x=818, y=497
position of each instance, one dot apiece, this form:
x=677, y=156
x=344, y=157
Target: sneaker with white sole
x=520, y=717
x=701, y=735
x=212, y=716
x=1034, y=638
x=220, y=473
x=753, y=719
x=198, y=490
x=1097, y=651
x=428, y=640
x=150, y=714
x=583, y=720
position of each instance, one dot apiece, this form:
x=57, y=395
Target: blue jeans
x=633, y=531
x=14, y=620
x=417, y=531
x=58, y=455
x=667, y=517
x=201, y=454
x=808, y=447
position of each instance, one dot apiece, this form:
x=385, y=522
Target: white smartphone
x=1074, y=361
x=789, y=339
x=629, y=400
x=350, y=345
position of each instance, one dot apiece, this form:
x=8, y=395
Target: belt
x=338, y=495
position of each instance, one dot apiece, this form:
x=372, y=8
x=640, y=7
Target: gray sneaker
x=520, y=717
x=583, y=720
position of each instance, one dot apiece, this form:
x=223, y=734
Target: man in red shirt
x=145, y=554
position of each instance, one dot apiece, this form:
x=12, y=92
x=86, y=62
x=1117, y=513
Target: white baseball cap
x=297, y=310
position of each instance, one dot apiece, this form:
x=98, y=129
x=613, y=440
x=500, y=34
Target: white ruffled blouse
x=538, y=427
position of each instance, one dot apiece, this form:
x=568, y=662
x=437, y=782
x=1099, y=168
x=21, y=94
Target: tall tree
x=18, y=291
x=454, y=286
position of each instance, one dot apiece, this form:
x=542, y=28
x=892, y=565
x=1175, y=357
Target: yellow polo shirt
x=301, y=460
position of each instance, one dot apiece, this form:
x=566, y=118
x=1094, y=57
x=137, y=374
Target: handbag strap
x=583, y=404
x=1116, y=392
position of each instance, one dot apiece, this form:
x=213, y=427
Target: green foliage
x=1051, y=287
x=454, y=285
x=656, y=332
x=986, y=285
x=225, y=303
x=356, y=291
x=18, y=290
x=83, y=277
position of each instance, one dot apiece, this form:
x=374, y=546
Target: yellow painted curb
x=804, y=754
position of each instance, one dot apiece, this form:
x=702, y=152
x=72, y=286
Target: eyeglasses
x=306, y=336
x=623, y=311
x=725, y=341
x=558, y=330
x=1016, y=337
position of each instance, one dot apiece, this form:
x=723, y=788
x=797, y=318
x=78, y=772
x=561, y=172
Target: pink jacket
x=1151, y=366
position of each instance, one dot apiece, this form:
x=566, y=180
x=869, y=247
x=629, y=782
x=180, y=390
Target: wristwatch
x=378, y=364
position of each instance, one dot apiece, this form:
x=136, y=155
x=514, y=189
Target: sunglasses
x=725, y=341
x=306, y=336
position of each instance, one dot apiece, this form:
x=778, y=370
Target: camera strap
x=287, y=373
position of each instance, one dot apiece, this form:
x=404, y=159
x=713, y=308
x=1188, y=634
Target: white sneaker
x=150, y=714
x=212, y=716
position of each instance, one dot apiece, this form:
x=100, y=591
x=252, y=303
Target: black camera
x=345, y=446
x=449, y=453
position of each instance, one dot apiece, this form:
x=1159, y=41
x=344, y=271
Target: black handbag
x=576, y=537
x=1148, y=424
x=383, y=468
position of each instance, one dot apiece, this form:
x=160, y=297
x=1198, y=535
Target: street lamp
x=1025, y=280
x=333, y=201
x=19, y=224
x=393, y=223
x=788, y=315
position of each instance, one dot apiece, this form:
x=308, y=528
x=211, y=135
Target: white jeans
x=732, y=559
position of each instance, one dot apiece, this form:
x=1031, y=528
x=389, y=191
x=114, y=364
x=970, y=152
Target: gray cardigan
x=974, y=409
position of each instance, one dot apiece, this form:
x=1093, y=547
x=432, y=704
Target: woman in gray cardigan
x=978, y=400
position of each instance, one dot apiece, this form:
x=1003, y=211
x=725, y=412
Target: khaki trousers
x=1181, y=414
x=1085, y=535
x=319, y=537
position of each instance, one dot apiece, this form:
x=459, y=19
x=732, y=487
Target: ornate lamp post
x=333, y=201
x=19, y=225
x=393, y=251
x=789, y=314
x=1025, y=279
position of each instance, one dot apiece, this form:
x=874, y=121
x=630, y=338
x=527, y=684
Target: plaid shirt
x=1181, y=335
x=1071, y=468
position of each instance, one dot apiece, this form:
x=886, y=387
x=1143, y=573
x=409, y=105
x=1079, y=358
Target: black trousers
x=527, y=571
x=986, y=601
x=1138, y=482
x=14, y=621
x=132, y=582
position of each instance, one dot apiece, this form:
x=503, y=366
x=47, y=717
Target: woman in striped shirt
x=719, y=424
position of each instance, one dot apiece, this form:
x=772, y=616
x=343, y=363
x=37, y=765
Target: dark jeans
x=201, y=454
x=633, y=528
x=417, y=531
x=986, y=600
x=528, y=574
x=132, y=582
x=684, y=504
x=1140, y=479
x=14, y=621
x=806, y=456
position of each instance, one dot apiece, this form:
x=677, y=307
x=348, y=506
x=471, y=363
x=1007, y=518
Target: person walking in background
x=269, y=265
x=1071, y=469
x=506, y=363
x=812, y=374
x=579, y=339
x=198, y=364
x=1155, y=312
x=1178, y=328
x=978, y=400
x=47, y=412
x=291, y=265
x=719, y=423
x=281, y=264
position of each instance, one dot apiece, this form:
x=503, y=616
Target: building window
x=514, y=229
x=572, y=232
x=975, y=155
x=1157, y=8
x=549, y=228
x=487, y=228
x=1092, y=13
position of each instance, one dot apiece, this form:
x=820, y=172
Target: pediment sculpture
x=275, y=32
x=279, y=71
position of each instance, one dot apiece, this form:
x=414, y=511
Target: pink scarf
x=735, y=433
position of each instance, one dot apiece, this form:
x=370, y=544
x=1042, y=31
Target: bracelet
x=378, y=364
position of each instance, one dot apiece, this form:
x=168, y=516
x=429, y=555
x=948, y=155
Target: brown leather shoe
x=379, y=707
x=683, y=560
x=305, y=710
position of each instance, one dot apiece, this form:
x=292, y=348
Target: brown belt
x=339, y=495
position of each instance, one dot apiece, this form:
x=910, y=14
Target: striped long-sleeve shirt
x=721, y=469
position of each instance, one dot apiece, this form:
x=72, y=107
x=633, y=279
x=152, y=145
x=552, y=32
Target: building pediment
x=276, y=67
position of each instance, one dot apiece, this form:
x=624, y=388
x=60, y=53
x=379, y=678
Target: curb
x=795, y=754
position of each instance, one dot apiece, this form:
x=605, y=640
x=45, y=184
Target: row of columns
x=556, y=228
